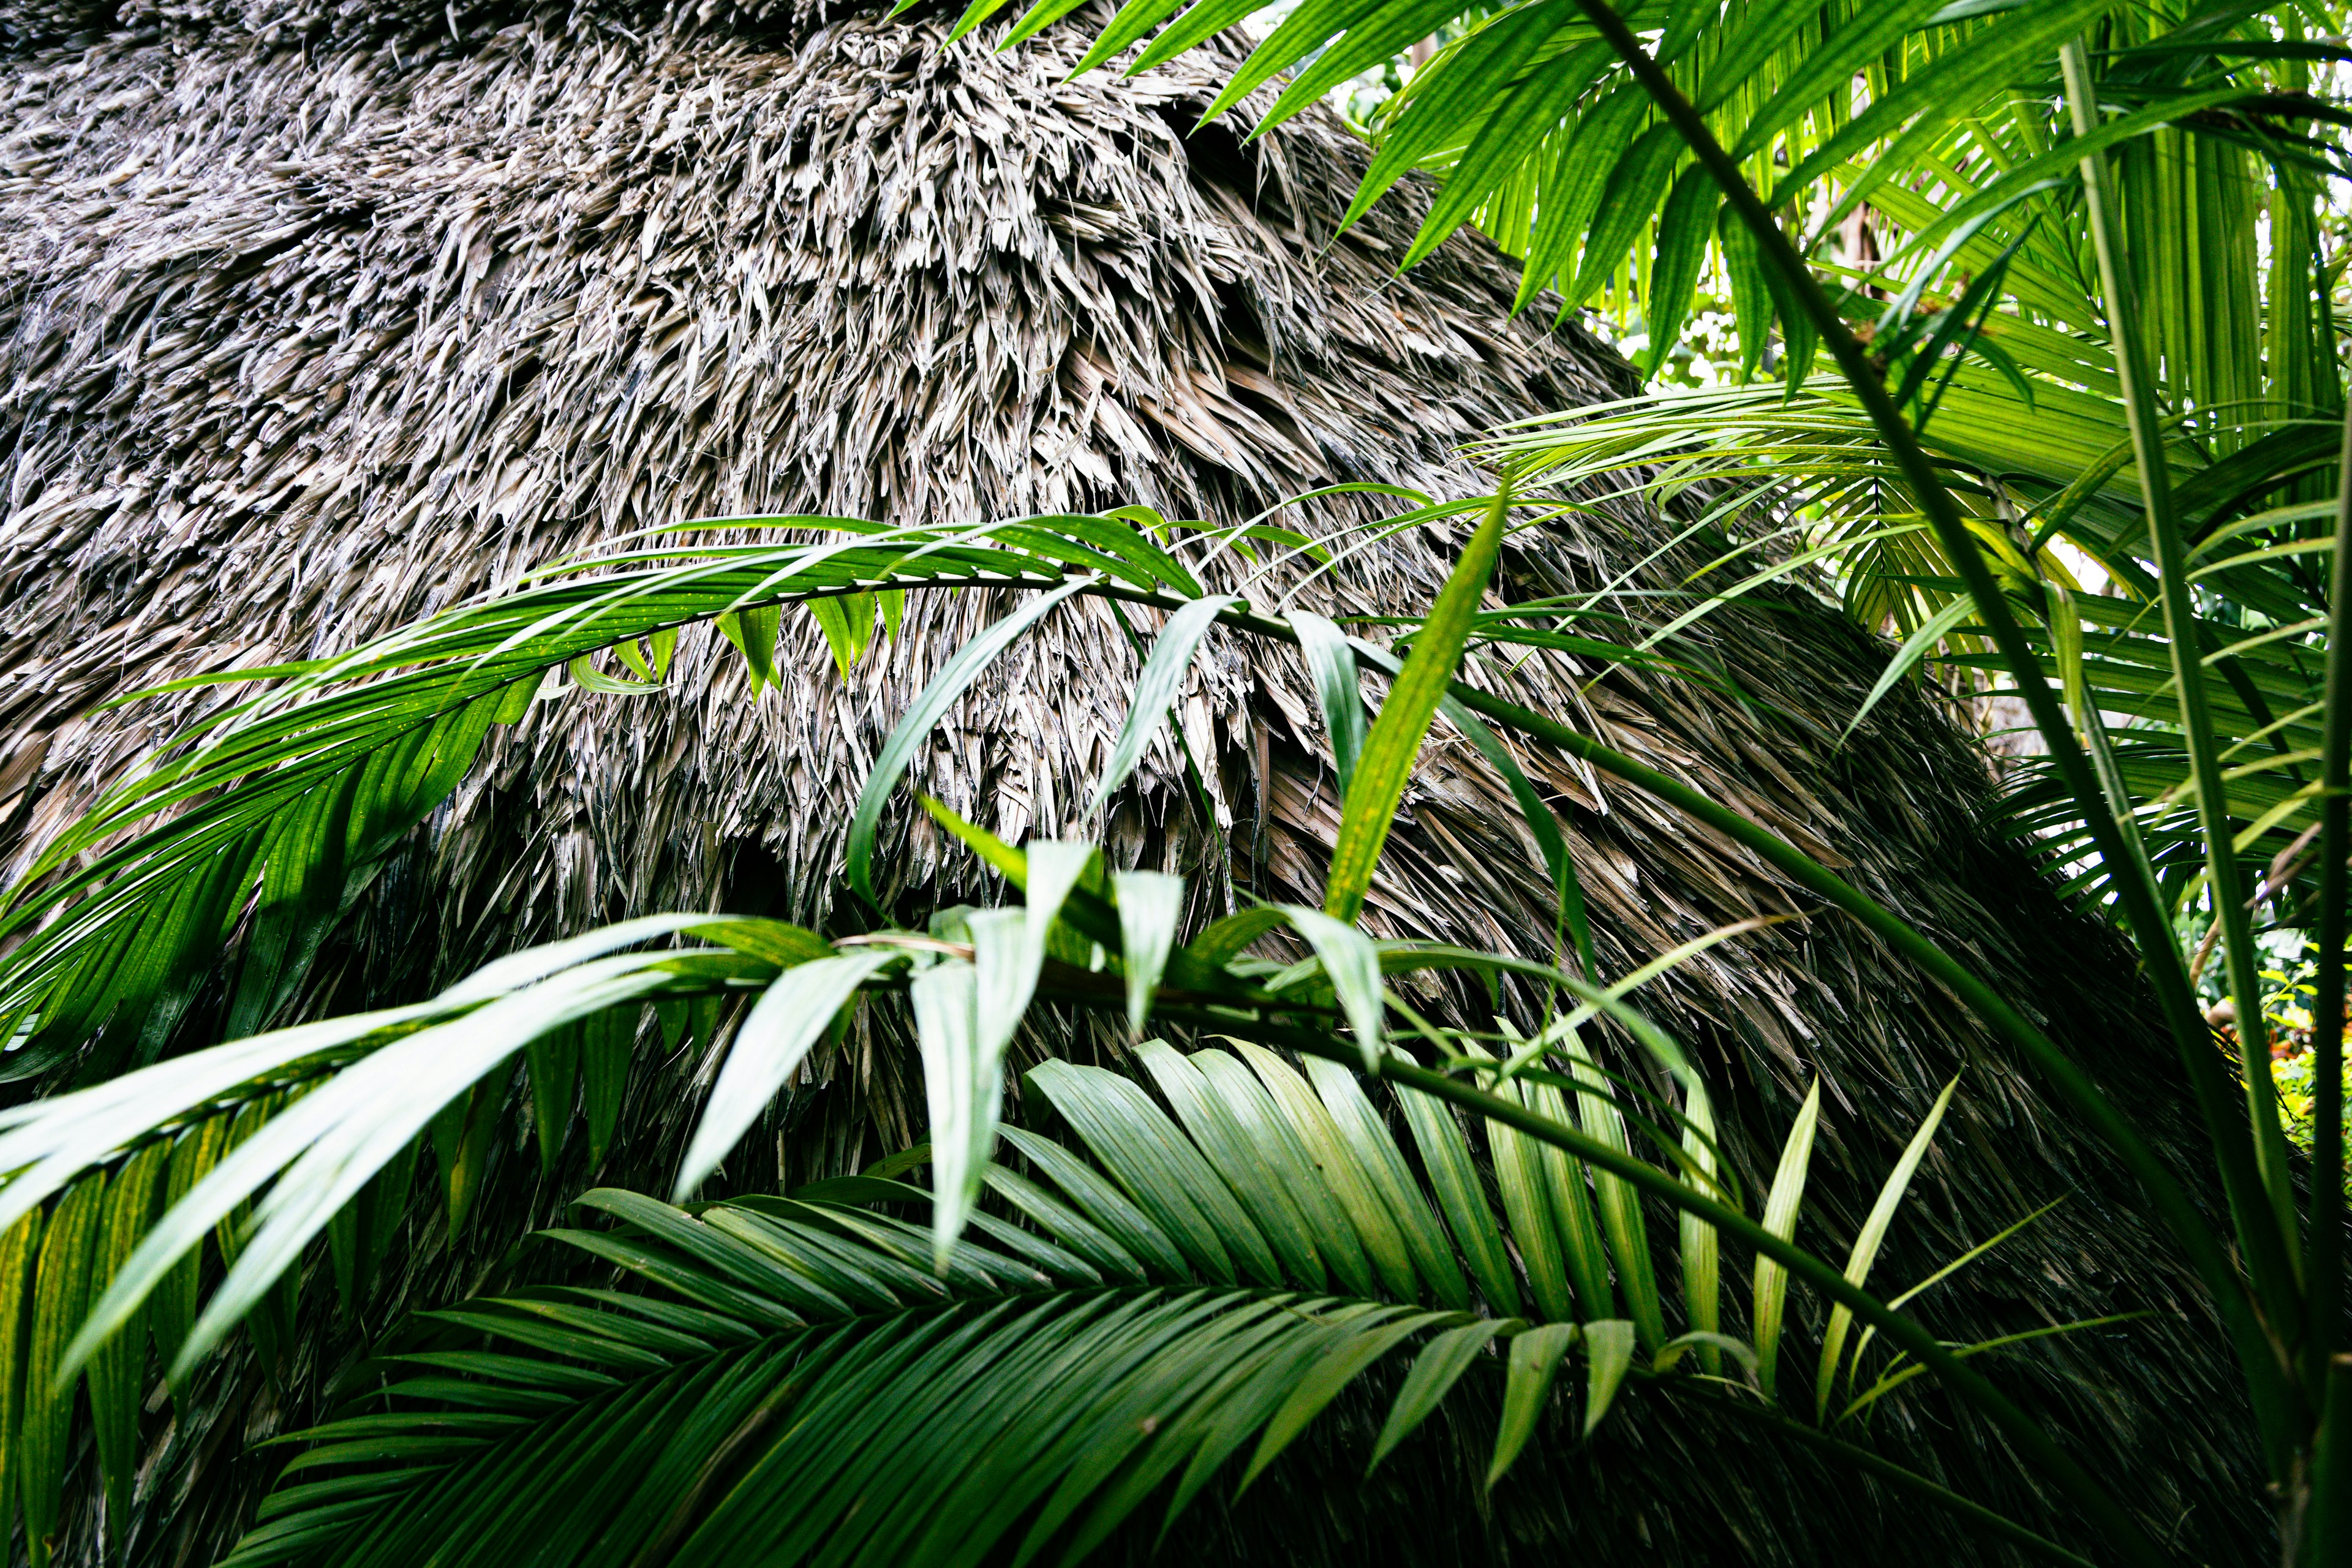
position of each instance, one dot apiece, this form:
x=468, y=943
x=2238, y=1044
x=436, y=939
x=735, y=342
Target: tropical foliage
x=2048, y=354
x=2103, y=316
x=309, y=1132
x=1185, y=1290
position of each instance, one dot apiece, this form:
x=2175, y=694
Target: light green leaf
x=1609, y=1350
x=847, y=623
x=949, y=685
x=1341, y=1171
x=59, y=1292
x=1008, y=945
x=1621, y=1206
x=962, y=1089
x=1702, y=1249
x=1366, y=1137
x=1916, y=647
x=1227, y=936
x=1869, y=33
x=1866, y=1245
x=1684, y=228
x=1290, y=1163
x=1352, y=965
x=515, y=700
x=1780, y=1206
x=71, y=1132
x=770, y=1045
x=1627, y=205
x=1156, y=689
x=19, y=1248
x=1526, y=1185
x=1535, y=1357
x=1564, y=1180
x=1707, y=1343
x=325, y=1147
x=1396, y=735
x=587, y=677
x=1160, y=1169
x=1331, y=663
x=1150, y=905
x=1238, y=1152
x=118, y=1373
x=753, y=632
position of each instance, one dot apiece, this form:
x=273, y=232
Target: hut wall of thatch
x=314, y=319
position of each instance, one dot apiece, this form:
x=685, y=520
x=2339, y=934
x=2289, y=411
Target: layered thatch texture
x=312, y=322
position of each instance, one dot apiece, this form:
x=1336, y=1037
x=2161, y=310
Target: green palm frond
x=1131, y=1315
x=256, y=830
x=308, y=1132
x=279, y=810
x=1269, y=1241
x=1950, y=122
x=1799, y=483
x=1542, y=137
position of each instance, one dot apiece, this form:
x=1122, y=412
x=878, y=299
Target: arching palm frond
x=281, y=809
x=271, y=1144
x=1989, y=324
x=1982, y=311
x=1799, y=482
x=328, y=1144
x=1216, y=1276
x=254, y=831
x=1543, y=137
x=1169, y=1301
x=1280, y=1183
x=1177, y=1295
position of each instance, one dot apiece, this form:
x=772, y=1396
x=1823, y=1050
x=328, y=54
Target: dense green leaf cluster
x=1186, y=1292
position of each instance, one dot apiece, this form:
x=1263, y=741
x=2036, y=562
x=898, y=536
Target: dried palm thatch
x=315, y=320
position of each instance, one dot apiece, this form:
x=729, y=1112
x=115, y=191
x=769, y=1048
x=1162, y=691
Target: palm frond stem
x=2272, y=1391
x=2323, y=1269
x=2281, y=1298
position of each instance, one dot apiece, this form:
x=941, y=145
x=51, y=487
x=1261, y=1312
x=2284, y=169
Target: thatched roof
x=313, y=319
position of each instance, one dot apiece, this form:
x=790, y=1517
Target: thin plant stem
x=2271, y=1390
x=2135, y=374
x=2323, y=1271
